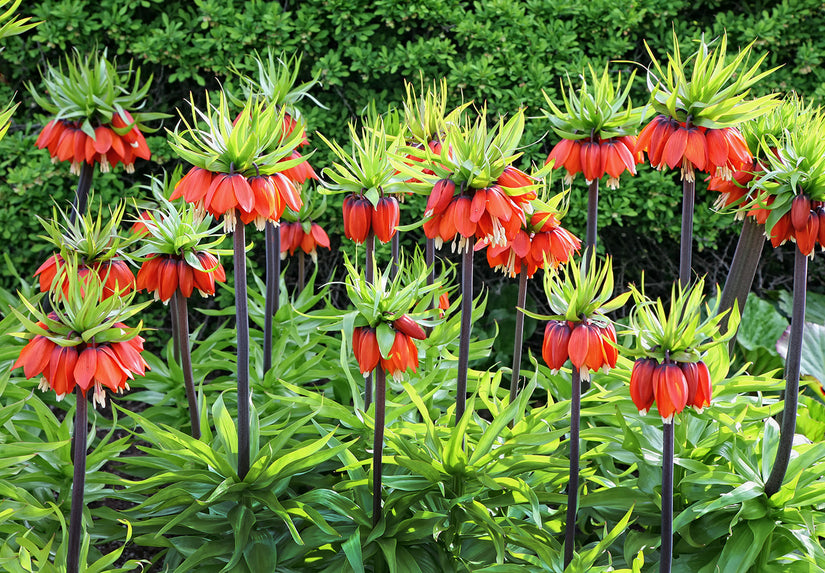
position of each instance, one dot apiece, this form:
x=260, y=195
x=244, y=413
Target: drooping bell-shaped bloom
x=385, y=218
x=293, y=237
x=596, y=157
x=115, y=274
x=365, y=348
x=403, y=356
x=162, y=275
x=587, y=345
x=641, y=384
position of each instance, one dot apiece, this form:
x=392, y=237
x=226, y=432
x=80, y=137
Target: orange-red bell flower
x=365, y=348
x=641, y=384
x=403, y=356
x=293, y=238
x=588, y=346
x=385, y=218
x=595, y=158
x=114, y=274
x=670, y=390
x=162, y=275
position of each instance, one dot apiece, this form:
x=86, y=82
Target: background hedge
x=500, y=52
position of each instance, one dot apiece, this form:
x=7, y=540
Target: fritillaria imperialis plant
x=180, y=256
x=383, y=340
x=670, y=371
x=96, y=117
x=598, y=128
x=695, y=128
x=277, y=84
x=793, y=190
x=580, y=332
x=236, y=176
x=476, y=193
x=83, y=345
x=99, y=249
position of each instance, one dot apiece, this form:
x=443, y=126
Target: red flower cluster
x=402, y=356
x=110, y=364
x=803, y=224
x=669, y=142
x=67, y=142
x=543, y=242
x=672, y=385
x=734, y=189
x=293, y=237
x=360, y=218
x=258, y=198
x=595, y=157
x=491, y=214
x=435, y=147
x=114, y=274
x=165, y=274
x=588, y=346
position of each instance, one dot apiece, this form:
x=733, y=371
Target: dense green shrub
x=492, y=51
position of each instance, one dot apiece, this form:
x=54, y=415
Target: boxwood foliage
x=496, y=52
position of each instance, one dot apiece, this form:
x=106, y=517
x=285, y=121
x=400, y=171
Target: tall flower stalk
x=580, y=332
x=383, y=334
x=96, y=118
x=476, y=193
x=237, y=177
x=300, y=233
x=81, y=345
x=670, y=371
x=364, y=173
x=179, y=254
x=277, y=84
x=792, y=190
x=598, y=128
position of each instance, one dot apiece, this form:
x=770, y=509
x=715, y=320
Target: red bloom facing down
x=595, y=157
x=672, y=385
x=668, y=142
x=589, y=347
x=87, y=365
x=403, y=356
x=259, y=198
x=365, y=348
x=360, y=218
x=494, y=214
x=293, y=237
x=542, y=243
x=165, y=274
x=114, y=274
x=67, y=142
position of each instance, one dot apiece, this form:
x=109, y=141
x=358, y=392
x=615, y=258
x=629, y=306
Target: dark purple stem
x=78, y=482
x=378, y=442
x=242, y=325
x=301, y=271
x=666, y=549
x=395, y=246
x=369, y=246
x=592, y=219
x=272, y=238
x=81, y=195
x=466, y=327
x=573, y=480
x=182, y=321
x=742, y=269
x=792, y=369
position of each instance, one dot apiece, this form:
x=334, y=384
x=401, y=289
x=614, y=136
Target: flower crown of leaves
x=714, y=96
x=425, y=116
x=599, y=108
x=679, y=333
x=91, y=90
x=251, y=143
x=90, y=237
x=366, y=168
x=578, y=292
x=472, y=155
x=277, y=82
x=79, y=315
x=176, y=228
x=790, y=114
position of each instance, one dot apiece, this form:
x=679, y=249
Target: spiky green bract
x=365, y=169
x=177, y=228
x=600, y=108
x=797, y=166
x=277, y=82
x=786, y=117
x=92, y=91
x=685, y=331
x=11, y=24
x=78, y=314
x=425, y=116
x=93, y=239
x=251, y=143
x=581, y=292
x=714, y=94
x=386, y=300
x=472, y=155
